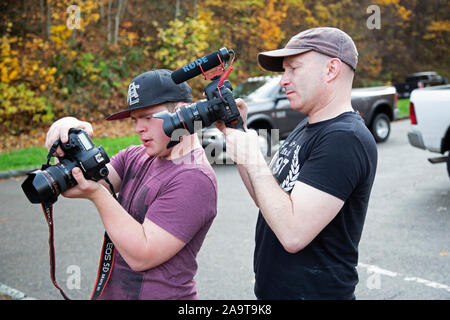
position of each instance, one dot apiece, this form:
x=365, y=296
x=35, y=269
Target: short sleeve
x=186, y=204
x=119, y=160
x=336, y=164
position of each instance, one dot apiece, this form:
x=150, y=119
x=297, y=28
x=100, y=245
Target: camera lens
x=185, y=117
x=39, y=187
x=44, y=186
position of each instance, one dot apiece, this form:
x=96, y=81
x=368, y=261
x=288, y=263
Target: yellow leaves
x=436, y=28
x=59, y=35
x=19, y=100
x=15, y=67
x=13, y=75
x=439, y=26
x=181, y=41
x=269, y=24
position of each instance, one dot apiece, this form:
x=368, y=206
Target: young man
x=314, y=196
x=168, y=197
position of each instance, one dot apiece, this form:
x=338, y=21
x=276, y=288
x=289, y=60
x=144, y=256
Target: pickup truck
x=419, y=80
x=269, y=108
x=429, y=112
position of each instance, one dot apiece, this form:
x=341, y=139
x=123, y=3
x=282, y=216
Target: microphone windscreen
x=207, y=62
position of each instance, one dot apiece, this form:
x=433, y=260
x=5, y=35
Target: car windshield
x=258, y=88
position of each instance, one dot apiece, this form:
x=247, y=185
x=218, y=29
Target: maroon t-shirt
x=178, y=195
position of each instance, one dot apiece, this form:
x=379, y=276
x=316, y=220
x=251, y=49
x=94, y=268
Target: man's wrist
x=99, y=194
x=258, y=168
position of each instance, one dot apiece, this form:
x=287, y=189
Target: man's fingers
x=86, y=126
x=79, y=177
x=220, y=125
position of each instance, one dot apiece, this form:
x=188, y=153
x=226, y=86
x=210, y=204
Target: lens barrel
x=44, y=186
x=185, y=117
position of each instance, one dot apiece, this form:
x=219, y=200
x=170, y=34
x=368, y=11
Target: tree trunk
x=108, y=26
x=117, y=21
x=177, y=9
x=49, y=20
x=102, y=11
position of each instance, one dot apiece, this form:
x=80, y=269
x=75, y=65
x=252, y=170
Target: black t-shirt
x=337, y=156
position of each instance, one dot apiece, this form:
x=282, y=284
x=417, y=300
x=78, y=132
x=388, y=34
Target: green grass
x=34, y=157
x=403, y=107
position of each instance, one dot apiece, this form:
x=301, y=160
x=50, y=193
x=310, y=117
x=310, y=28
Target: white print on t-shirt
x=294, y=171
x=279, y=162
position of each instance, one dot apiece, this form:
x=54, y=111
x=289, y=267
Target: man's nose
x=284, y=81
x=138, y=127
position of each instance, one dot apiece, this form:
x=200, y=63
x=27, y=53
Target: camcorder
x=45, y=185
x=219, y=104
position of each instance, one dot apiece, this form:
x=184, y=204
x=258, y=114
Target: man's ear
x=334, y=68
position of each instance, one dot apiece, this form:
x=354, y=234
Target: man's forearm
x=274, y=203
x=126, y=233
x=247, y=182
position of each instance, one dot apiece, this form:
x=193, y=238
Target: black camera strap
x=106, y=258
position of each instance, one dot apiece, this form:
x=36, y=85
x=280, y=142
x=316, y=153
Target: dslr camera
x=45, y=185
x=219, y=104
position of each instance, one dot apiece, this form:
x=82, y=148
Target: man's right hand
x=243, y=110
x=60, y=130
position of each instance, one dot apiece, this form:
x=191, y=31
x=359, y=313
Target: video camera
x=219, y=104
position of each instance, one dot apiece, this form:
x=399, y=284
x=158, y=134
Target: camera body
x=45, y=185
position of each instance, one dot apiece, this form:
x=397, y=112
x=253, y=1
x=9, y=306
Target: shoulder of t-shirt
x=133, y=150
x=349, y=125
x=196, y=176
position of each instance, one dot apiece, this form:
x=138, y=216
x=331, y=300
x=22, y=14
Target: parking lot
x=403, y=252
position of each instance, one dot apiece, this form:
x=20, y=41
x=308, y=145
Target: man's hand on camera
x=243, y=147
x=60, y=130
x=243, y=110
x=86, y=189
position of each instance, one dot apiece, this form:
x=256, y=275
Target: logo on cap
x=133, y=96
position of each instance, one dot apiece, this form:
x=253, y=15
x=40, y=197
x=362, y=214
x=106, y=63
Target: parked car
x=419, y=80
x=430, y=122
x=269, y=108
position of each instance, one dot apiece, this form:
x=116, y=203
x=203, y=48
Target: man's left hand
x=84, y=189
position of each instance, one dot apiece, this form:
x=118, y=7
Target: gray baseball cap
x=152, y=88
x=330, y=41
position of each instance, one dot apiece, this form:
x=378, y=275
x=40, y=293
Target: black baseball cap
x=152, y=88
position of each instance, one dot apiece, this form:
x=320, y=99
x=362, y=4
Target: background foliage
x=48, y=70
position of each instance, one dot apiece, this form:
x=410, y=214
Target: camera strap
x=48, y=213
x=106, y=258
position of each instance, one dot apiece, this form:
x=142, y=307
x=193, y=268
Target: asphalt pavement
x=403, y=253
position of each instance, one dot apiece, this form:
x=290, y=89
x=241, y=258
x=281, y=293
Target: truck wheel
x=448, y=164
x=381, y=127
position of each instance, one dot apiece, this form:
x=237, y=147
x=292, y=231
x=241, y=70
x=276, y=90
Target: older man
x=313, y=198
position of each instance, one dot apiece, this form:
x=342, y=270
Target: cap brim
x=273, y=60
x=119, y=115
